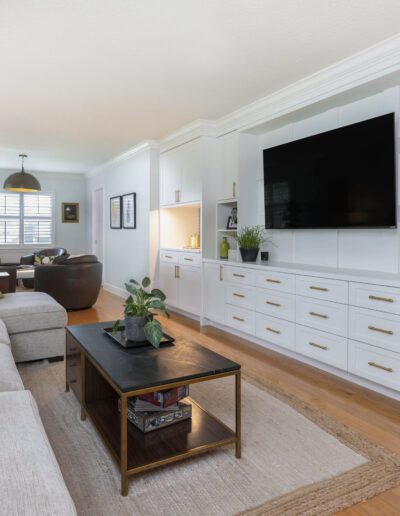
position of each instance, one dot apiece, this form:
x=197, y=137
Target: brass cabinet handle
x=238, y=318
x=188, y=259
x=177, y=272
x=238, y=295
x=378, y=298
x=272, y=330
x=380, y=330
x=319, y=346
x=176, y=195
x=273, y=304
x=168, y=256
x=239, y=275
x=322, y=289
x=234, y=189
x=273, y=280
x=316, y=314
x=221, y=273
x=378, y=366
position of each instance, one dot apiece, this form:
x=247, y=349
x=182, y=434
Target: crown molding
x=140, y=147
x=187, y=133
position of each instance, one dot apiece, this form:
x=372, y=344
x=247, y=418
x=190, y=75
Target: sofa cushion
x=82, y=258
x=31, y=482
x=4, y=337
x=31, y=311
x=10, y=379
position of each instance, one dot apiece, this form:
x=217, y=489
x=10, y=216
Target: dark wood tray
x=119, y=336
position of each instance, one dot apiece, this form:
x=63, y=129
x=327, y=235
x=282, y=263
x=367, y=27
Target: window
x=26, y=219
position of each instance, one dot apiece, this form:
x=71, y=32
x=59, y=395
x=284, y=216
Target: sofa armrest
x=28, y=259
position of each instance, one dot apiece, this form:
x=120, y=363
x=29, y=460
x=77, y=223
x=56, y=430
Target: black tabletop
x=140, y=368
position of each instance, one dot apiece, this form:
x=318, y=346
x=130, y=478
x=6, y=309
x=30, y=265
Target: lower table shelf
x=187, y=438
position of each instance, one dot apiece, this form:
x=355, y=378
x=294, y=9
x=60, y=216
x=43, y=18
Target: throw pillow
x=43, y=260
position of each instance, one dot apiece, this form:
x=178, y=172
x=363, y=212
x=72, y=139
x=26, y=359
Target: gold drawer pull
x=322, y=289
x=380, y=330
x=188, y=259
x=273, y=304
x=221, y=273
x=319, y=346
x=272, y=330
x=238, y=318
x=238, y=295
x=378, y=298
x=239, y=275
x=168, y=256
x=316, y=314
x=378, y=366
x=273, y=281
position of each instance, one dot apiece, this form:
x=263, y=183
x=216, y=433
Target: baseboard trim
x=120, y=292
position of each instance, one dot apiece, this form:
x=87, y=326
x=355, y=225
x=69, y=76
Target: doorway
x=98, y=223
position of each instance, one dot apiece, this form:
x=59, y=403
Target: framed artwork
x=70, y=212
x=115, y=212
x=232, y=219
x=129, y=211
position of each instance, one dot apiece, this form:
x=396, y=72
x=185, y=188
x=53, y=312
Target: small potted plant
x=249, y=239
x=140, y=308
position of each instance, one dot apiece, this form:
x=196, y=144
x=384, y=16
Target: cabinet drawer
x=277, y=331
x=169, y=256
x=384, y=299
x=320, y=288
x=277, y=304
x=378, y=365
x=376, y=328
x=240, y=318
x=238, y=275
x=192, y=259
x=276, y=281
x=322, y=315
x=240, y=295
x=327, y=348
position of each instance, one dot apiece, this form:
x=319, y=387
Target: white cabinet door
x=191, y=159
x=213, y=292
x=190, y=289
x=169, y=283
x=228, y=166
x=170, y=172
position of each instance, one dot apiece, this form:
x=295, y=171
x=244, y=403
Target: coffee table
x=100, y=372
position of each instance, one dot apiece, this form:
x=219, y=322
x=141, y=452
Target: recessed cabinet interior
x=228, y=166
x=181, y=283
x=181, y=170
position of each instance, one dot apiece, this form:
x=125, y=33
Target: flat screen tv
x=345, y=178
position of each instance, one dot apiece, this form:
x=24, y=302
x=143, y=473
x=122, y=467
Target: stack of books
x=159, y=409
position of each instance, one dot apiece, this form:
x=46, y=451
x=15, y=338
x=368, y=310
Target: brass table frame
x=123, y=459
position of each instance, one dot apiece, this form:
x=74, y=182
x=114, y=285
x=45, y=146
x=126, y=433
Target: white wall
x=128, y=253
x=65, y=188
x=368, y=249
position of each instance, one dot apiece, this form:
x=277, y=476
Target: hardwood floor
x=370, y=414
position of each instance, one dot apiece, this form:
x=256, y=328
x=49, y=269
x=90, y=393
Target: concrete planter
x=134, y=328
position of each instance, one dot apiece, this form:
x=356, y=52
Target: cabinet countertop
x=362, y=276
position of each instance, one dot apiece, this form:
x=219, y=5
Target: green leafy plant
x=145, y=303
x=251, y=237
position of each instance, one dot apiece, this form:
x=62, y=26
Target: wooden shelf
x=180, y=439
x=227, y=230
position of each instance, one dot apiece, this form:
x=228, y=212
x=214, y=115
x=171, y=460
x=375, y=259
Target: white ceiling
x=83, y=80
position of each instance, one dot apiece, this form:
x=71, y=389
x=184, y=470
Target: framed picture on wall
x=115, y=212
x=129, y=211
x=70, y=212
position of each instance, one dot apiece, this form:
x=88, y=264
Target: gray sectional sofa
x=31, y=482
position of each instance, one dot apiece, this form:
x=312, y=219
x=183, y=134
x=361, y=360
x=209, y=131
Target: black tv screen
x=345, y=178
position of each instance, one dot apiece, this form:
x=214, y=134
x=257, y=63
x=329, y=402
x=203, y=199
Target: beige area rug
x=294, y=460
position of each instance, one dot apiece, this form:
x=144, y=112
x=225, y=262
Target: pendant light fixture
x=22, y=181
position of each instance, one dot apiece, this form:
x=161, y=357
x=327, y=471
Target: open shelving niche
x=223, y=210
x=177, y=223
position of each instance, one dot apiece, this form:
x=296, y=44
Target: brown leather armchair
x=29, y=259
x=74, y=283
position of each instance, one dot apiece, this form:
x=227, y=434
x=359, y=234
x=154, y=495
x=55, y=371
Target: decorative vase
x=224, y=248
x=249, y=255
x=134, y=328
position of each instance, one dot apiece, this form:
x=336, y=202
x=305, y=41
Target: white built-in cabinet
x=180, y=174
x=214, y=292
x=228, y=166
x=180, y=280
